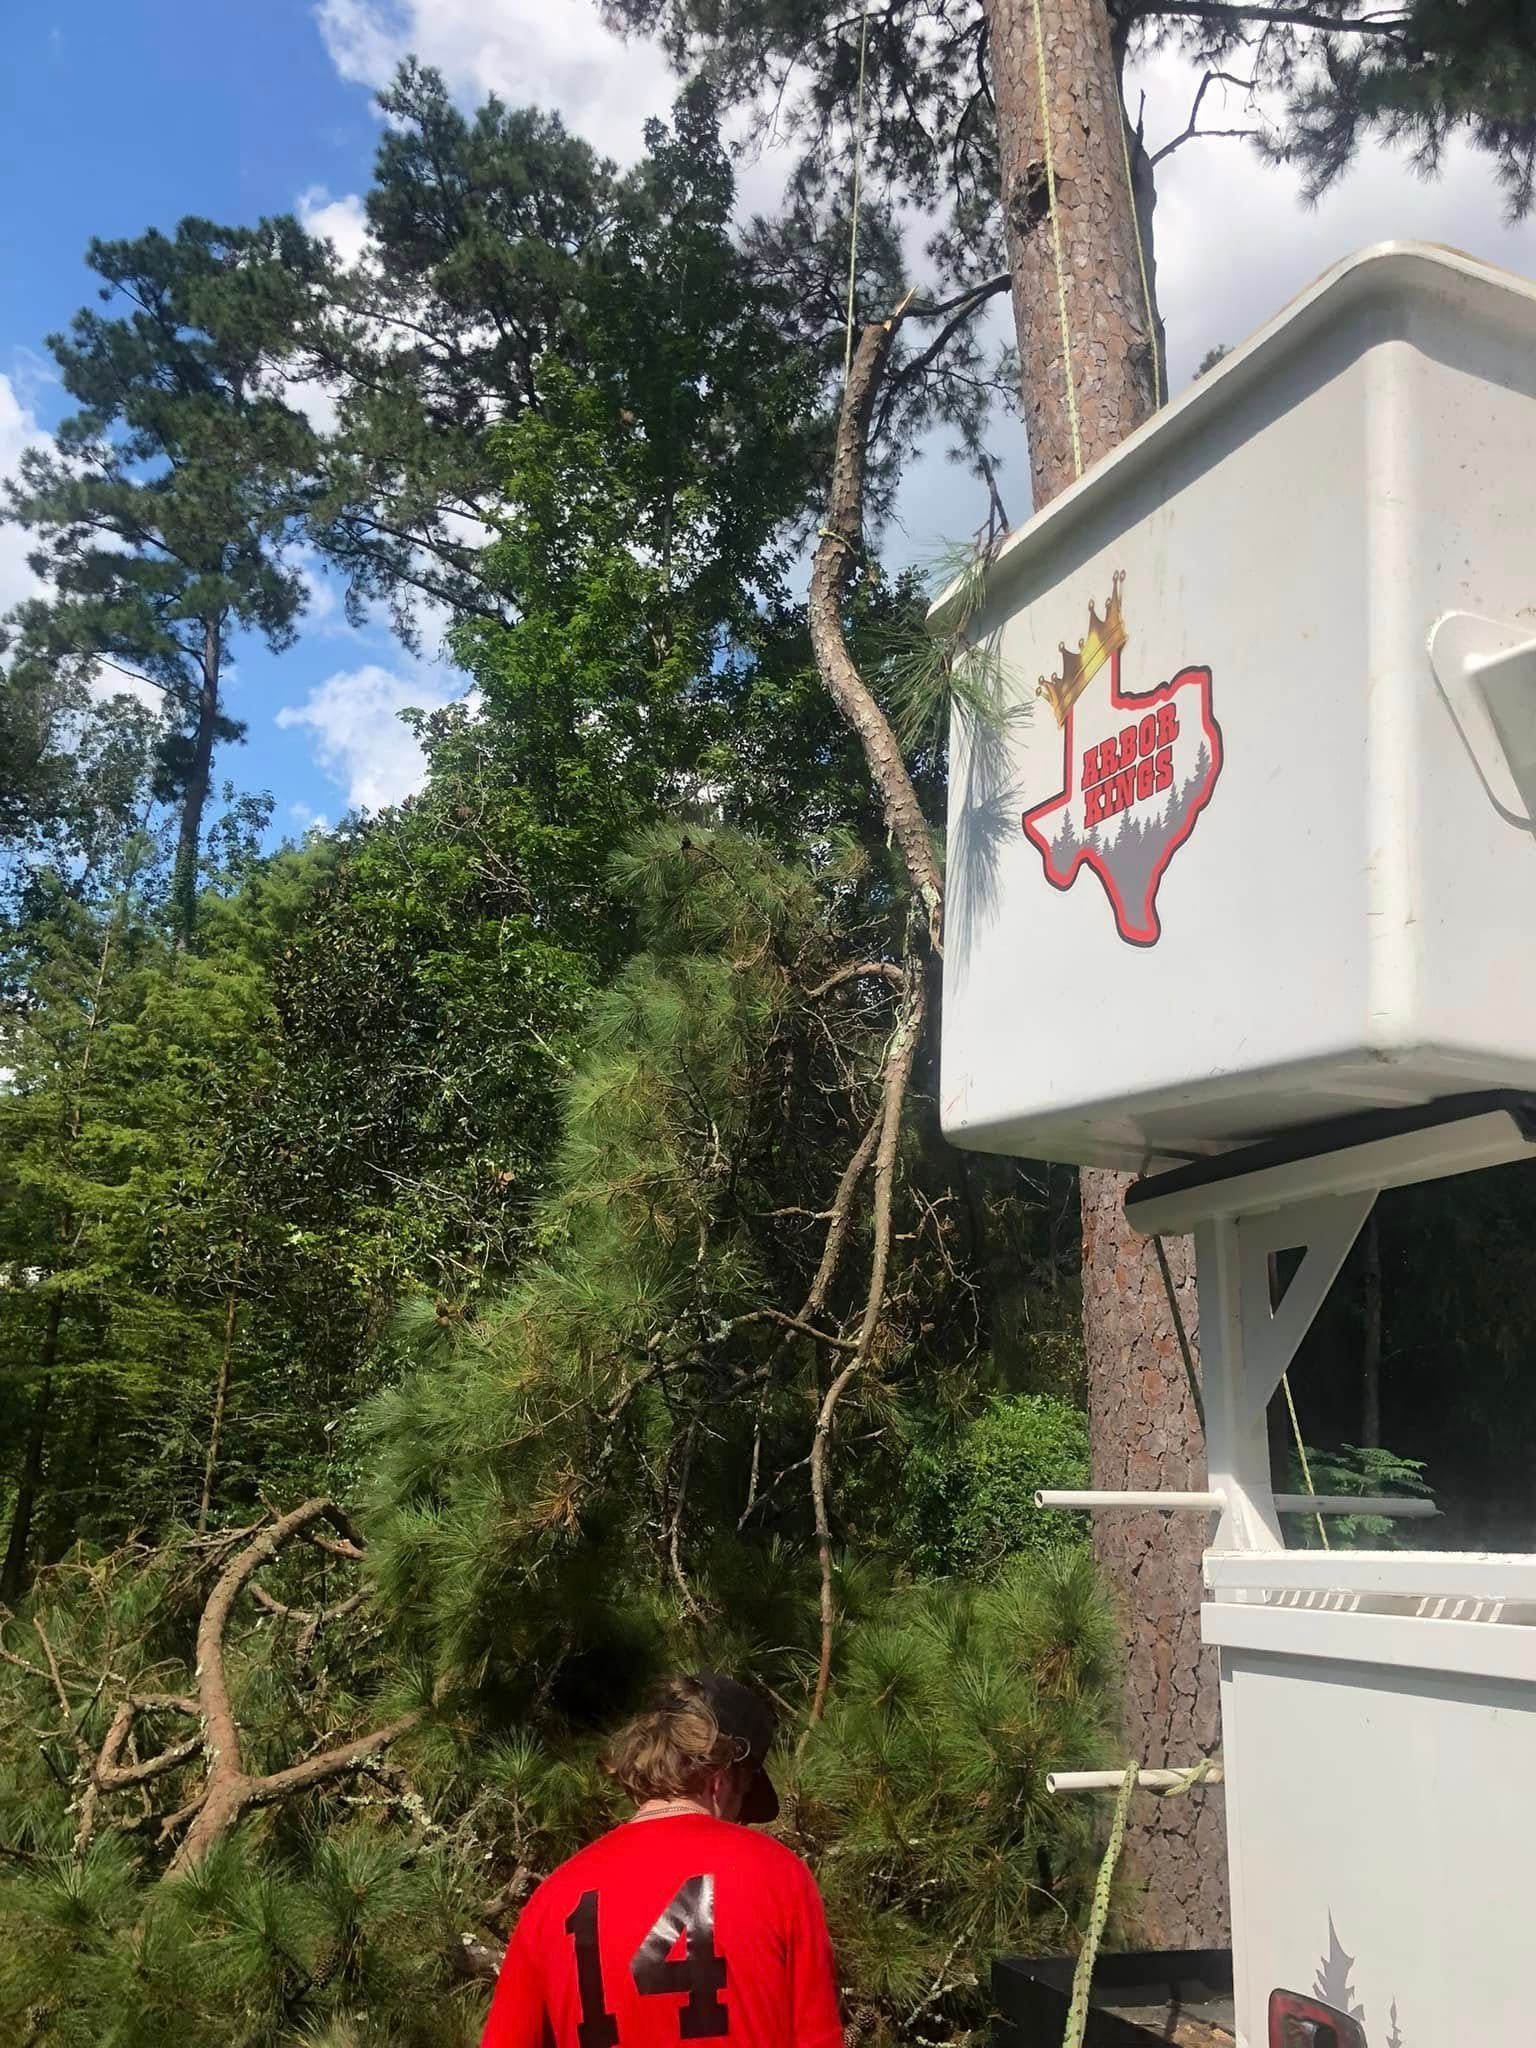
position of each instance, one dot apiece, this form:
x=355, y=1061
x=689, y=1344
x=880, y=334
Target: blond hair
x=673, y=1750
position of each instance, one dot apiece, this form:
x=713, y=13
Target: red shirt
x=683, y=1928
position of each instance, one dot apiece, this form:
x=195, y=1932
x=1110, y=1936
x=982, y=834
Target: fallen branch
x=841, y=1219
x=841, y=544
x=691, y=1606
x=795, y=1323
x=861, y=969
x=898, y=1072
x=108, y=1775
x=229, y=1790
x=312, y=1620
x=510, y=1896
x=478, y=1960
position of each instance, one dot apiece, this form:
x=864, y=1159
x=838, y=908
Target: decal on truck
x=1138, y=769
x=1330, y=2017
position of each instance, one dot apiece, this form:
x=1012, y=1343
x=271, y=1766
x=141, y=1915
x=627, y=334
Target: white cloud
x=314, y=398
x=321, y=604
x=342, y=222
x=107, y=683
x=548, y=53
x=358, y=737
x=308, y=820
x=18, y=427
x=1235, y=242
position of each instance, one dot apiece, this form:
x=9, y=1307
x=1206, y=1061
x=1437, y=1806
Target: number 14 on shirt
x=699, y=1972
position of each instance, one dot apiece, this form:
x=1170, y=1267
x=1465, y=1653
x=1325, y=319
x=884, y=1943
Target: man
x=680, y=1925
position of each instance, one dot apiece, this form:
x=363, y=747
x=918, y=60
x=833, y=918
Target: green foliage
x=514, y=1472
x=948, y=668
x=112, y=1231
x=335, y=1916
x=970, y=1500
x=1357, y=1469
x=925, y=1787
x=463, y=1163
x=1441, y=69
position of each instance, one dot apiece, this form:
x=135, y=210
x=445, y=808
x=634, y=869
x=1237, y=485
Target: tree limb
x=108, y=1775
x=841, y=1219
x=1388, y=25
x=1192, y=130
x=797, y=1323
x=228, y=1791
x=691, y=1606
x=841, y=541
x=898, y=1072
x=887, y=968
x=330, y=1763
x=66, y=1711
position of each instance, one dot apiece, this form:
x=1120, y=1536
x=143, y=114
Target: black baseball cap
x=741, y=1715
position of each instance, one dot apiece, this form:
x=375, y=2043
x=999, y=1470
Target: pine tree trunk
x=1144, y=1426
x=13, y=1574
x=1370, y=1350
x=194, y=801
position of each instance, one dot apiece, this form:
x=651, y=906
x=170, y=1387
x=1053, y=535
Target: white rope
x=1061, y=267
x=858, y=188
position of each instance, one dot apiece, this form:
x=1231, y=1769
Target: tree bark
x=13, y=1575
x=1111, y=367
x=1145, y=1430
x=842, y=541
x=1370, y=1349
x=229, y=1790
x=194, y=801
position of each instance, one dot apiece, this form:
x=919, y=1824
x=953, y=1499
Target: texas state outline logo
x=1138, y=768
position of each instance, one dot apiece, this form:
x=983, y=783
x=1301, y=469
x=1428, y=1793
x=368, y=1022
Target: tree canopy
x=460, y=1267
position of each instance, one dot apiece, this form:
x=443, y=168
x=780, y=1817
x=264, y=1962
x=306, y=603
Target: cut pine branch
x=229, y=1790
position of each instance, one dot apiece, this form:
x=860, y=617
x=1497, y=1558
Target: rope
x=1056, y=250
x=1188, y=1780
x=1190, y=1374
x=1141, y=261
x=1082, y=1976
x=1301, y=1452
x=858, y=191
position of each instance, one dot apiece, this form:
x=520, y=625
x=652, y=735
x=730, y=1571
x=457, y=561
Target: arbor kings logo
x=1138, y=769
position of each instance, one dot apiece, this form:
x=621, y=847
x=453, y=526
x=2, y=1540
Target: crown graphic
x=1104, y=637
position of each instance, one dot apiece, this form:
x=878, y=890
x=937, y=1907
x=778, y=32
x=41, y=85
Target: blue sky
x=118, y=117
x=122, y=114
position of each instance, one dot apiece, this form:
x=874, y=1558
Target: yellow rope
x=1061, y=267
x=1141, y=262
x=1301, y=1452
x=1088, y=1955
x=858, y=183
x=1188, y=1780
x=1082, y=1976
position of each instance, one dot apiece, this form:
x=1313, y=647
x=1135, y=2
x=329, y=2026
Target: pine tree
x=1009, y=136
x=164, y=510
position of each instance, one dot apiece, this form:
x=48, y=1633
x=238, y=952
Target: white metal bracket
x=1487, y=675
x=1307, y=1190
x=1323, y=1231
x=1248, y=1339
